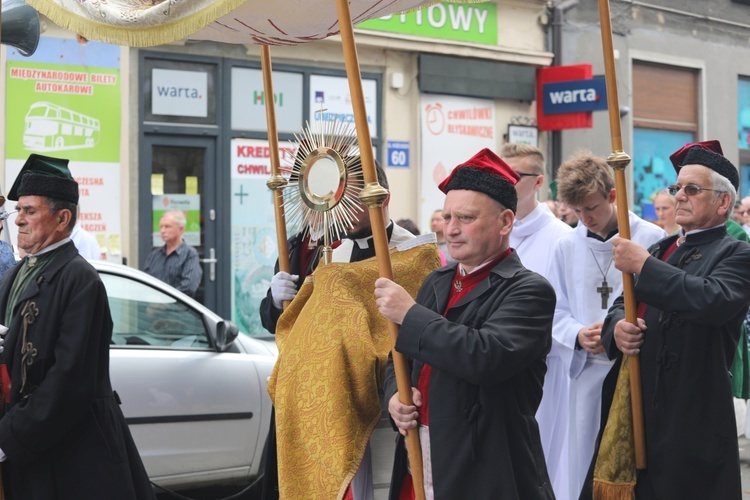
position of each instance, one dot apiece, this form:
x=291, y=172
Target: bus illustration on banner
x=50, y=127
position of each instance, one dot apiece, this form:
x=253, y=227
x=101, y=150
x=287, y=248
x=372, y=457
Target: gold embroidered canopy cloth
x=333, y=348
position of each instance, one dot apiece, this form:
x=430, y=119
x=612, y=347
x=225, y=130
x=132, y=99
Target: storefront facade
x=682, y=70
x=182, y=126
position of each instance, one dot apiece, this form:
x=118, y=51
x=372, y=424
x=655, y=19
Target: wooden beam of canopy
x=277, y=182
x=374, y=196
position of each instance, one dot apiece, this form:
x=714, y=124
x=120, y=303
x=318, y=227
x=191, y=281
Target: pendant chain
x=604, y=273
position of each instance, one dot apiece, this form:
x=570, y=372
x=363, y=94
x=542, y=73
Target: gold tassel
x=604, y=490
x=133, y=36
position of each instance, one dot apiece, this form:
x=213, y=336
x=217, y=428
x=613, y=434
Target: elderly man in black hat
x=477, y=336
x=693, y=291
x=62, y=435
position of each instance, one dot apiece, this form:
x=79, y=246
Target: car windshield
x=145, y=316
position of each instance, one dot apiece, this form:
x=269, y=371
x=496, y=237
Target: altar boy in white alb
x=586, y=283
x=535, y=229
x=534, y=236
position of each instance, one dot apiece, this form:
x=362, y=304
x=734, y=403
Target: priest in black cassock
x=693, y=290
x=62, y=435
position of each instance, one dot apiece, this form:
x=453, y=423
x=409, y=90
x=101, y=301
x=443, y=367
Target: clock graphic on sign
x=435, y=118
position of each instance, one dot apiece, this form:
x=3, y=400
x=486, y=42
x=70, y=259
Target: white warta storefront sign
x=179, y=93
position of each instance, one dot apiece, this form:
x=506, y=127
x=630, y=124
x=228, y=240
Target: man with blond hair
x=586, y=283
x=535, y=229
x=534, y=236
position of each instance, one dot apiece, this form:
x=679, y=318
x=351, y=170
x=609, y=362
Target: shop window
x=665, y=117
x=743, y=133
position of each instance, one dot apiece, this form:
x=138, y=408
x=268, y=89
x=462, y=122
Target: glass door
x=180, y=174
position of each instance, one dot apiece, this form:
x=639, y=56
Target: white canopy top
x=143, y=23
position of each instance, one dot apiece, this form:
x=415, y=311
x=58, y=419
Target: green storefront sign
x=475, y=23
x=62, y=109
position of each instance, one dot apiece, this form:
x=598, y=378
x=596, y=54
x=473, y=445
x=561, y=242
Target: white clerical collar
x=683, y=234
x=536, y=212
x=535, y=221
x=364, y=243
x=49, y=248
x=603, y=246
x=463, y=272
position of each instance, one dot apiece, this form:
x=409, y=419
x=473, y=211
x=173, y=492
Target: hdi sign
x=566, y=96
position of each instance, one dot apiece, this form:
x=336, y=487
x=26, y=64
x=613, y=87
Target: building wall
x=650, y=32
x=521, y=40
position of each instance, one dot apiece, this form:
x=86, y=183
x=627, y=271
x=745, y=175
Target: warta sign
x=575, y=96
x=566, y=96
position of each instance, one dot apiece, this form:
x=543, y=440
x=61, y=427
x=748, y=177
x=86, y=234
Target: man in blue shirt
x=176, y=263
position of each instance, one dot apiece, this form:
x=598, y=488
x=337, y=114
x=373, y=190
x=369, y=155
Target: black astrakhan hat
x=45, y=176
x=710, y=155
x=487, y=173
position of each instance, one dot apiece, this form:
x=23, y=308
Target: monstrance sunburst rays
x=321, y=198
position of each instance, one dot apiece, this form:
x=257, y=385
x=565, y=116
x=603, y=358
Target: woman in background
x=664, y=206
x=566, y=214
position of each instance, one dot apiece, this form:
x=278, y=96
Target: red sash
x=5, y=380
x=462, y=285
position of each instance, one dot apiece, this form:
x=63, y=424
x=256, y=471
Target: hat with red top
x=487, y=173
x=710, y=155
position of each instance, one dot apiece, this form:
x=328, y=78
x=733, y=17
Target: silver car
x=193, y=389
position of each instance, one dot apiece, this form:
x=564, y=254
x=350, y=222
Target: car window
x=144, y=316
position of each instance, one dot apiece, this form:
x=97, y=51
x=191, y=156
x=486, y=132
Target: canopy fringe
x=135, y=36
x=604, y=490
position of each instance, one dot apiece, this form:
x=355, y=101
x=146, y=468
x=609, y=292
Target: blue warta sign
x=398, y=153
x=575, y=96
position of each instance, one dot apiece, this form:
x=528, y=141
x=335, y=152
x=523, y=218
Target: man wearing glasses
x=535, y=229
x=534, y=236
x=693, y=291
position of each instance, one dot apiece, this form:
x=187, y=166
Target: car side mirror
x=226, y=333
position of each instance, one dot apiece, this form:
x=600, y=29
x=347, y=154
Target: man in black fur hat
x=693, y=291
x=477, y=337
x=63, y=435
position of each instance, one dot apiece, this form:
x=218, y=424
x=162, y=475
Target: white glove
x=283, y=287
x=3, y=331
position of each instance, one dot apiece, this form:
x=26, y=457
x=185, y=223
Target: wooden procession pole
x=276, y=182
x=618, y=160
x=2, y=389
x=373, y=196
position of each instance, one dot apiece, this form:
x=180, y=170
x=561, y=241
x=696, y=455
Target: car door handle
x=211, y=260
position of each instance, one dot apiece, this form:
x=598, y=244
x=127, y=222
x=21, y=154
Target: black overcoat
x=696, y=302
x=488, y=365
x=269, y=315
x=65, y=436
